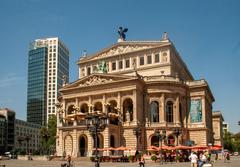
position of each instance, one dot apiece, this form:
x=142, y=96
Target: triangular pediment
x=97, y=79
x=125, y=47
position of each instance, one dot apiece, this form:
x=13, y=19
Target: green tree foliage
x=48, y=135
x=52, y=129
x=228, y=141
x=231, y=142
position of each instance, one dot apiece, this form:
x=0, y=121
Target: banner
x=196, y=111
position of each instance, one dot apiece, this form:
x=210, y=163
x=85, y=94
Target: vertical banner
x=196, y=111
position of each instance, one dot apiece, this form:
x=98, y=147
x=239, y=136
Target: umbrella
x=199, y=147
x=216, y=147
x=152, y=148
x=122, y=148
x=181, y=147
x=166, y=148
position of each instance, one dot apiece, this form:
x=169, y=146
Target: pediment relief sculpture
x=95, y=80
x=122, y=49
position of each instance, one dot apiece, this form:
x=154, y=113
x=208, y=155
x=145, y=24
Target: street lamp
x=27, y=138
x=96, y=123
x=20, y=139
x=137, y=132
x=177, y=132
x=161, y=137
x=46, y=136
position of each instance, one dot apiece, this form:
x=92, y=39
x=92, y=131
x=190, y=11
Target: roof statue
x=102, y=67
x=122, y=32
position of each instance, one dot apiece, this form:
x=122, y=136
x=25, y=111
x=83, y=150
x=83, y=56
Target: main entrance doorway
x=83, y=146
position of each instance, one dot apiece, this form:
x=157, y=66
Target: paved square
x=235, y=162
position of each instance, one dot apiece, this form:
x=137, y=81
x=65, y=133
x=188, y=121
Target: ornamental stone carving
x=95, y=80
x=122, y=49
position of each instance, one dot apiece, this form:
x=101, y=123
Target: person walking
x=142, y=161
x=202, y=160
x=193, y=158
x=69, y=159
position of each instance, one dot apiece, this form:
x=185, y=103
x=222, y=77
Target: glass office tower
x=48, y=62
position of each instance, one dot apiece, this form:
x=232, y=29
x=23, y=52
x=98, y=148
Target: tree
x=48, y=134
x=228, y=141
x=52, y=129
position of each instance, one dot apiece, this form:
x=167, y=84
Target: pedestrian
x=69, y=159
x=202, y=160
x=228, y=156
x=193, y=158
x=142, y=161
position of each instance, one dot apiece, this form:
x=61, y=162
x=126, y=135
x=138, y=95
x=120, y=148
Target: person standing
x=193, y=158
x=142, y=162
x=69, y=159
x=202, y=160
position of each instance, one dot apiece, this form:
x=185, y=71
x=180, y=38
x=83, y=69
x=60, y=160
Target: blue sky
x=206, y=34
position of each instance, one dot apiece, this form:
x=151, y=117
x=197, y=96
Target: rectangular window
x=113, y=66
x=149, y=59
x=127, y=63
x=88, y=70
x=120, y=64
x=156, y=58
x=141, y=61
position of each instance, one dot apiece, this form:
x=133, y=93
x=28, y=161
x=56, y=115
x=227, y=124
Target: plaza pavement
x=234, y=162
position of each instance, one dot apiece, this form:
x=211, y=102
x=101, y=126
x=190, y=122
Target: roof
x=124, y=47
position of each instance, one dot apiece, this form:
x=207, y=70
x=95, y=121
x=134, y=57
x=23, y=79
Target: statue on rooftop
x=122, y=32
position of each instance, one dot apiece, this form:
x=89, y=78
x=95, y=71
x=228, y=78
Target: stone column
x=64, y=107
x=135, y=106
x=104, y=103
x=75, y=148
x=119, y=100
x=177, y=110
x=85, y=69
x=162, y=109
x=89, y=103
x=204, y=110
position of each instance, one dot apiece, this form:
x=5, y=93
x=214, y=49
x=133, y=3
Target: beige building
x=147, y=85
x=217, y=121
x=27, y=136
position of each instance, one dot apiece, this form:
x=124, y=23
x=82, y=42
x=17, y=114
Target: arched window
x=154, y=107
x=169, y=111
x=112, y=108
x=170, y=140
x=84, y=108
x=155, y=141
x=128, y=110
x=98, y=106
x=70, y=109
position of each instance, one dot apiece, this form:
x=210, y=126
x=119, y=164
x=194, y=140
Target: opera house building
x=142, y=86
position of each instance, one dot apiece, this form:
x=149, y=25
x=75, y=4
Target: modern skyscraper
x=48, y=63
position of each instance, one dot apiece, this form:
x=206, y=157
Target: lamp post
x=96, y=123
x=177, y=132
x=46, y=136
x=27, y=138
x=161, y=137
x=20, y=139
x=137, y=132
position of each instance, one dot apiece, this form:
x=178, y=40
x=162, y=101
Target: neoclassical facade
x=141, y=84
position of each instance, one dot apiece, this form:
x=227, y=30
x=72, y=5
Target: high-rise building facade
x=7, y=130
x=48, y=63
